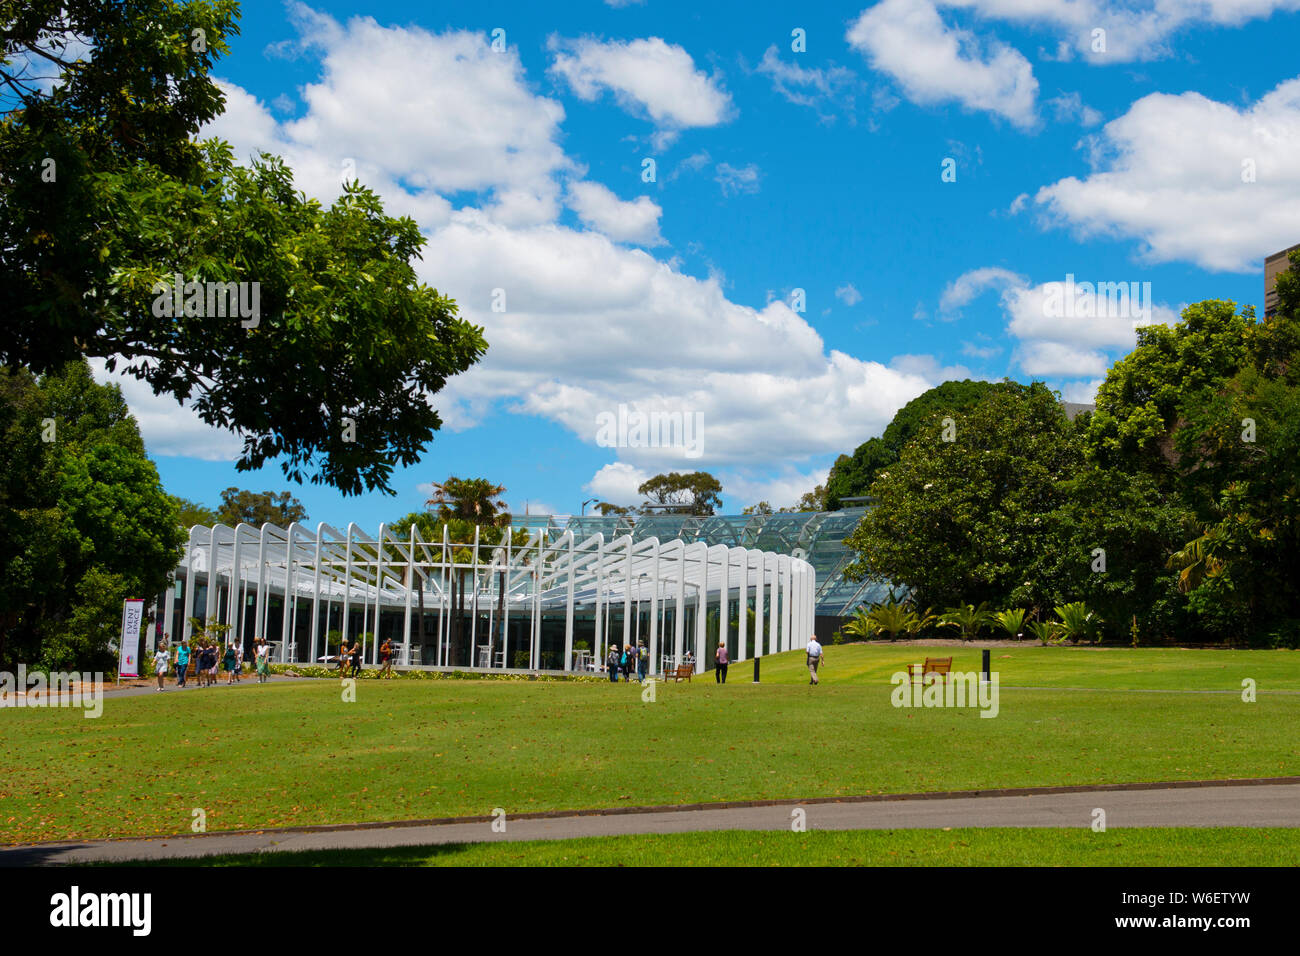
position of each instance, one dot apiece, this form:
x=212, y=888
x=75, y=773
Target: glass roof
x=815, y=536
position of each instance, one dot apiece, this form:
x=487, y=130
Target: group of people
x=205, y=657
x=625, y=659
x=349, y=659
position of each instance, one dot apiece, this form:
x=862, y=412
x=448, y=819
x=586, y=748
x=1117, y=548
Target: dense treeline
x=1173, y=511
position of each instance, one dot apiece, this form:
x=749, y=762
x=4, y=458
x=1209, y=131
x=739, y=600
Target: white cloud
x=780, y=491
x=970, y=285
x=1170, y=172
x=648, y=77
x=1069, y=107
x=1083, y=392
x=466, y=121
x=599, y=208
x=617, y=483
x=1134, y=30
x=934, y=63
x=735, y=180
x=1057, y=360
x=848, y=294
x=168, y=428
x=815, y=87
x=589, y=324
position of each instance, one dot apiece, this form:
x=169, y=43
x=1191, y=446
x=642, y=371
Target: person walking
x=239, y=662
x=160, y=658
x=386, y=658
x=262, y=661
x=626, y=661
x=611, y=662
x=720, y=662
x=642, y=662
x=815, y=656
x=182, y=662
x=356, y=658
x=228, y=664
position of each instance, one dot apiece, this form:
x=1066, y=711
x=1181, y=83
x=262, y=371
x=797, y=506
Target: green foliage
x=698, y=493
x=84, y=522
x=259, y=508
x=334, y=375
x=852, y=475
x=968, y=619
x=474, y=500
x=192, y=513
x=1012, y=621
x=1047, y=632
x=966, y=520
x=1077, y=622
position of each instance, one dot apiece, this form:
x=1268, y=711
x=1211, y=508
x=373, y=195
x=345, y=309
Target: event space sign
x=132, y=613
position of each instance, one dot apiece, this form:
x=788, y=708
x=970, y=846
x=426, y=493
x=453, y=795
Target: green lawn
x=1229, y=846
x=290, y=754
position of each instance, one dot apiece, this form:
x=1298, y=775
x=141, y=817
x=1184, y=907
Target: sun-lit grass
x=1227, y=846
x=290, y=754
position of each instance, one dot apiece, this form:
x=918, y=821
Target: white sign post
x=132, y=614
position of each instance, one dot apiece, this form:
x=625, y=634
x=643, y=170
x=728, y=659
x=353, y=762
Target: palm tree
x=1194, y=562
x=860, y=625
x=475, y=500
x=1045, y=631
x=968, y=619
x=1011, y=621
x=1077, y=622
x=893, y=618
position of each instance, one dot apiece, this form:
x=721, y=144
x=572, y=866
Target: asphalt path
x=1238, y=804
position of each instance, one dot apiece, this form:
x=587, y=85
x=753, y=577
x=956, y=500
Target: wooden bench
x=932, y=665
x=680, y=671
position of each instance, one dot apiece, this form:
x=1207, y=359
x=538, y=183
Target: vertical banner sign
x=132, y=613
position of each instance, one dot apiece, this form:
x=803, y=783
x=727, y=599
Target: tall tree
x=106, y=196
x=961, y=521
x=84, y=522
x=852, y=475
x=696, y=493
x=258, y=508
x=192, y=513
x=475, y=500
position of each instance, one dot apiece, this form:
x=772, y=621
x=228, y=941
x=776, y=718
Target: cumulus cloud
x=168, y=427
x=648, y=77
x=588, y=323
x=1132, y=30
x=617, y=483
x=934, y=63
x=600, y=209
x=1191, y=179
x=466, y=121
x=970, y=285
x=1067, y=328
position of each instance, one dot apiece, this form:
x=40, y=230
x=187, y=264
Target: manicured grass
x=289, y=754
x=1228, y=846
x=1109, y=668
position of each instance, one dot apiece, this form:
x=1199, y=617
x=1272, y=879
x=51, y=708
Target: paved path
x=1254, y=805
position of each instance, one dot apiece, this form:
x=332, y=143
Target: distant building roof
x=1074, y=409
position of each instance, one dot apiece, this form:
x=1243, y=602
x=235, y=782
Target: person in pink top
x=721, y=659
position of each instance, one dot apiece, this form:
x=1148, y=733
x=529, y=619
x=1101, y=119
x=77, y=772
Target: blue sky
x=1160, y=151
